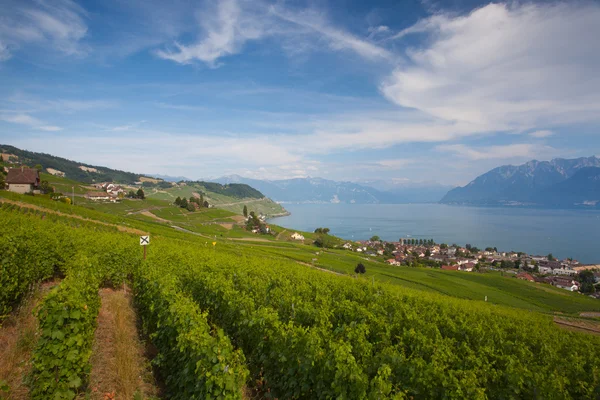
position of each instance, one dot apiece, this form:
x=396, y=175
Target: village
x=563, y=274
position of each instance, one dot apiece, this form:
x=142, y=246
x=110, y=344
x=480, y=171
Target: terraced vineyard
x=226, y=323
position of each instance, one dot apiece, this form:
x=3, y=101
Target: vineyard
x=227, y=323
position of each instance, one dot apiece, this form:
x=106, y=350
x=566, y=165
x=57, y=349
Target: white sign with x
x=144, y=240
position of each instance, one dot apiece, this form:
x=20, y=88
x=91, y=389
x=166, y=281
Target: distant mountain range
x=557, y=183
x=318, y=190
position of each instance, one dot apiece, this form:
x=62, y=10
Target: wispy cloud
x=28, y=120
x=541, y=134
x=490, y=69
x=226, y=26
x=61, y=105
x=4, y=52
x=338, y=39
x=128, y=127
x=507, y=152
x=59, y=24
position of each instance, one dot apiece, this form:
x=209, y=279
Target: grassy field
x=66, y=186
x=220, y=224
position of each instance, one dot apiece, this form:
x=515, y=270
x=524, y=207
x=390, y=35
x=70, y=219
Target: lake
x=564, y=233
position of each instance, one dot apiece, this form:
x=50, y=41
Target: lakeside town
x=568, y=274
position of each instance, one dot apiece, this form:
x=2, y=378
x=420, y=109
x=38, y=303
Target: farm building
x=23, y=180
x=98, y=196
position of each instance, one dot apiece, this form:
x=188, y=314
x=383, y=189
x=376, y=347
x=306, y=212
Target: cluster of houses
x=542, y=269
x=261, y=227
x=109, y=192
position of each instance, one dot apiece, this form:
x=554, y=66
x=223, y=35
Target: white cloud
x=59, y=105
x=396, y=163
x=519, y=150
x=338, y=39
x=60, y=23
x=28, y=120
x=541, y=134
x=504, y=66
x=227, y=25
x=378, y=30
x=128, y=127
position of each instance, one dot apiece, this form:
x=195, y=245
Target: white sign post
x=144, y=241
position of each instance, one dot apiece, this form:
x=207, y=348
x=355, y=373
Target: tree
x=245, y=212
x=360, y=268
x=183, y=203
x=551, y=257
x=427, y=253
x=518, y=263
x=131, y=194
x=46, y=188
x=375, y=239
x=190, y=206
x=206, y=204
x=468, y=246
x=326, y=231
x=389, y=247
x=38, y=167
x=140, y=194
x=2, y=182
x=586, y=278
x=178, y=201
x=443, y=246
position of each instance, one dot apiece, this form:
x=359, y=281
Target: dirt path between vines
x=578, y=325
x=17, y=341
x=120, y=369
x=50, y=211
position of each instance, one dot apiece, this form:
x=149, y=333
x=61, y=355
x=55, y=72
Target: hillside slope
x=527, y=184
x=74, y=170
x=78, y=176
x=231, y=197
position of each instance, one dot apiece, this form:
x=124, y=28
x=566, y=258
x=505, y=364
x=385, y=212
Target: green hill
x=74, y=170
x=232, y=197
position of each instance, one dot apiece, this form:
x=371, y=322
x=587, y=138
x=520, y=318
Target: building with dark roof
x=23, y=180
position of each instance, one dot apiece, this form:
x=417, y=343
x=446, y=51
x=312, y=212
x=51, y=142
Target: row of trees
x=189, y=204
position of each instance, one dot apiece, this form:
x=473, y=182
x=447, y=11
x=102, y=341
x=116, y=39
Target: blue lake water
x=564, y=233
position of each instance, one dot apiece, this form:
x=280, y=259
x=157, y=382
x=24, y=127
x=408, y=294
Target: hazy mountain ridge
x=319, y=190
x=556, y=183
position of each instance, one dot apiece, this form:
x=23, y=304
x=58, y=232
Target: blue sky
x=410, y=91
